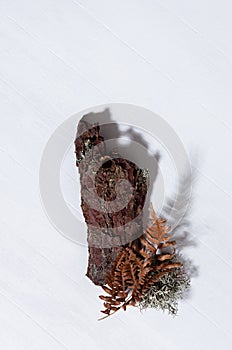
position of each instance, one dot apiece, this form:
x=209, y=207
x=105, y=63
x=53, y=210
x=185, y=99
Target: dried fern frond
x=127, y=282
x=139, y=266
x=158, y=234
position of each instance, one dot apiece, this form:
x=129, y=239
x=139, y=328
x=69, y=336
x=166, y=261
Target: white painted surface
x=59, y=57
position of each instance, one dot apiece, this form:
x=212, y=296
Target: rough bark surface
x=113, y=192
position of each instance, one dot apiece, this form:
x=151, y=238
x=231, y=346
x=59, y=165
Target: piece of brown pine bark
x=113, y=192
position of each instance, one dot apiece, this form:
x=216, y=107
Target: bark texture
x=113, y=192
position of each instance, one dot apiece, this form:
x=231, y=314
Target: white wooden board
x=57, y=58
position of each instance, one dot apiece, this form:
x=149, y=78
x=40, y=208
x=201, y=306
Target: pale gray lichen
x=166, y=292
